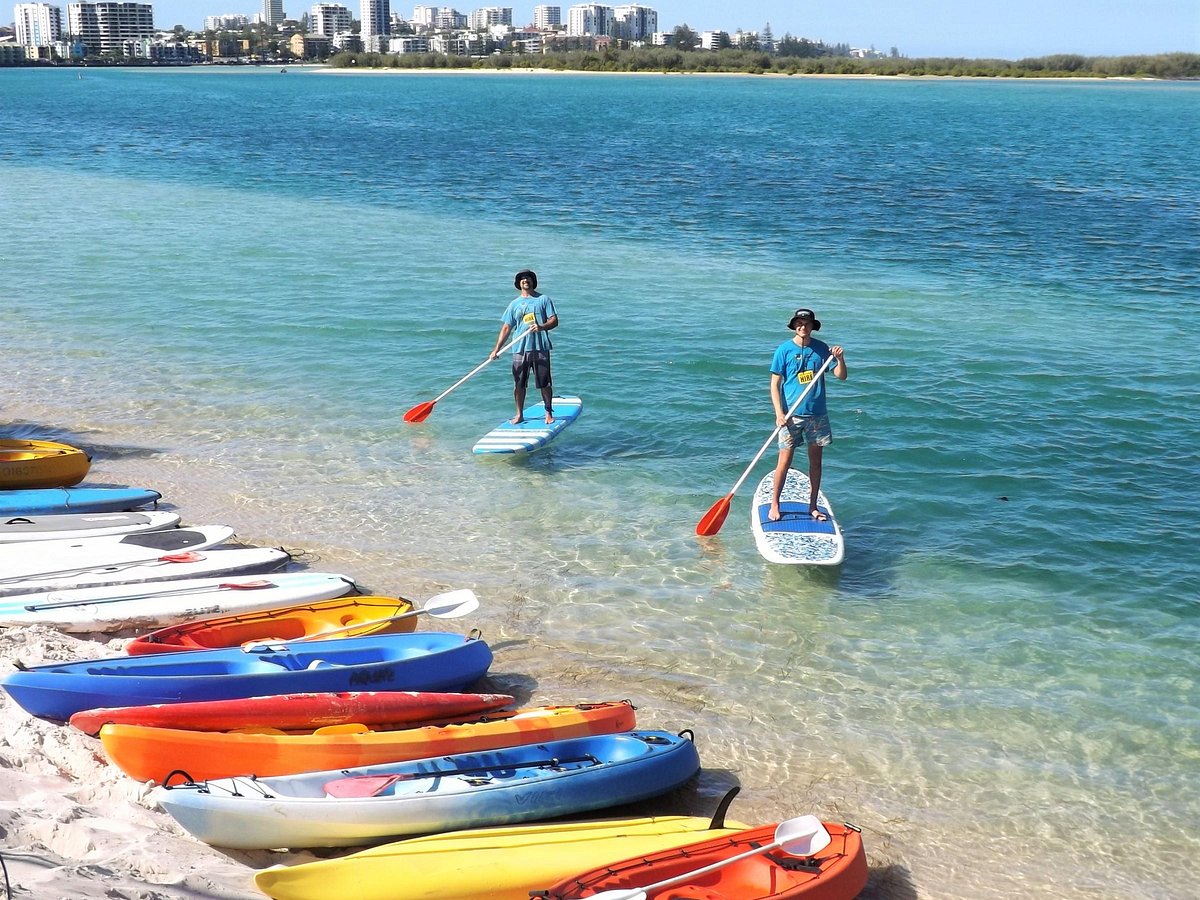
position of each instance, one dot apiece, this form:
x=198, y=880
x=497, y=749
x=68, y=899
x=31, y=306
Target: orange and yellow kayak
x=836, y=872
x=40, y=464
x=287, y=624
x=150, y=754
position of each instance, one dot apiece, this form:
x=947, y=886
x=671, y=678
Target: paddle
x=801, y=836
x=450, y=605
x=229, y=586
x=715, y=517
x=372, y=785
x=421, y=411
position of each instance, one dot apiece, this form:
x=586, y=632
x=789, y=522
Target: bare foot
x=516, y=420
x=773, y=514
x=549, y=418
x=817, y=515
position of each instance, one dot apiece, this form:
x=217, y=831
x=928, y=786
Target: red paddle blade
x=420, y=412
x=715, y=517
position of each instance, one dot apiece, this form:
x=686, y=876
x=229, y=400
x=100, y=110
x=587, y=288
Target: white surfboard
x=67, y=526
x=797, y=538
x=533, y=433
x=162, y=603
x=183, y=564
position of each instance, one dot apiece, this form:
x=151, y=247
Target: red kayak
x=296, y=712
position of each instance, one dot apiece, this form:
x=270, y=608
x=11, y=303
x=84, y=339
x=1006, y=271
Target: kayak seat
x=359, y=786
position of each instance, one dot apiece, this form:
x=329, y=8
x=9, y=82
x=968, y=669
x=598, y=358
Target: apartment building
x=635, y=23
x=547, y=16
x=106, y=28
x=38, y=24
x=484, y=18
x=376, y=24
x=328, y=19
x=591, y=19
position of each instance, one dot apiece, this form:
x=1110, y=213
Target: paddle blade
x=452, y=605
x=715, y=517
x=420, y=412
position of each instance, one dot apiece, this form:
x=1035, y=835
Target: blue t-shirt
x=797, y=366
x=521, y=313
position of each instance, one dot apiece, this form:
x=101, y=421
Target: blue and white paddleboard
x=797, y=538
x=533, y=433
x=40, y=501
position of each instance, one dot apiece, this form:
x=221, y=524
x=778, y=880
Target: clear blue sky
x=1005, y=29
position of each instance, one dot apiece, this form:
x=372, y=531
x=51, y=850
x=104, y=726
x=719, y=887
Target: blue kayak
x=48, y=501
x=422, y=661
x=351, y=807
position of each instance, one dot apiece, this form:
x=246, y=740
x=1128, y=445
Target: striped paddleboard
x=533, y=433
x=797, y=538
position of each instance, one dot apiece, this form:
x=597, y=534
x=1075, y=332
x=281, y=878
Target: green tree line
x=669, y=59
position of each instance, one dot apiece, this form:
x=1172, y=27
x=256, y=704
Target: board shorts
x=537, y=361
x=813, y=430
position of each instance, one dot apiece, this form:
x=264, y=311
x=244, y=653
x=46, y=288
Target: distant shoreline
x=857, y=76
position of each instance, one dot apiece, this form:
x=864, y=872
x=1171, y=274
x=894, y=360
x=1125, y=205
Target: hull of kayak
x=426, y=661
x=295, y=712
x=150, y=754
x=836, y=872
x=309, y=620
x=28, y=465
x=496, y=863
x=160, y=603
x=352, y=807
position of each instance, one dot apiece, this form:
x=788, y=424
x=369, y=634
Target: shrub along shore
x=1174, y=66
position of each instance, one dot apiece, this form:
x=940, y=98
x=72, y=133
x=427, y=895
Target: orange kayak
x=288, y=623
x=150, y=754
x=293, y=712
x=40, y=464
x=836, y=872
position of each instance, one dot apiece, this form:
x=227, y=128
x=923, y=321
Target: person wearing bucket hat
x=793, y=368
x=533, y=314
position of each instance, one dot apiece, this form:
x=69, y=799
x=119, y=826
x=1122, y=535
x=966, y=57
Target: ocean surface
x=232, y=284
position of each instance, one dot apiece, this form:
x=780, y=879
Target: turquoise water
x=232, y=285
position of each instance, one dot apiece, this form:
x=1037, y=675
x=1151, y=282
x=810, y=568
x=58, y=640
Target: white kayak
x=77, y=525
x=162, y=603
x=168, y=567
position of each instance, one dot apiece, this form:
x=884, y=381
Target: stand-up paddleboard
x=65, y=526
x=533, y=433
x=41, y=501
x=797, y=538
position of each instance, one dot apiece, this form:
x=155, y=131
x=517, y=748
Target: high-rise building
x=328, y=19
x=590, y=18
x=376, y=17
x=485, y=17
x=635, y=23
x=106, y=28
x=38, y=24
x=227, y=22
x=547, y=16
x=272, y=12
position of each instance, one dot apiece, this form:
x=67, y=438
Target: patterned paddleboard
x=533, y=433
x=797, y=538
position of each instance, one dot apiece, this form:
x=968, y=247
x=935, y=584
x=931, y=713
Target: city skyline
x=1020, y=28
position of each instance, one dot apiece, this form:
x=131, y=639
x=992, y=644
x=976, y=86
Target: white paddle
x=801, y=836
x=450, y=605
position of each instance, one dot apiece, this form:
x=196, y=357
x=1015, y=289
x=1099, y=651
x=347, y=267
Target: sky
x=1000, y=29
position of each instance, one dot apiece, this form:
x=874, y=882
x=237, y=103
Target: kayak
x=26, y=465
x=295, y=712
x=426, y=661
x=160, y=603
x=352, y=807
x=168, y=567
x=496, y=863
x=309, y=620
x=79, y=556
x=65, y=526
x=48, y=501
x=149, y=754
x=836, y=871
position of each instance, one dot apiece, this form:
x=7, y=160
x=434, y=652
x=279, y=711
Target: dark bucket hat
x=524, y=273
x=802, y=314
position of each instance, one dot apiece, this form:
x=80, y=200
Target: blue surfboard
x=533, y=433
x=48, y=501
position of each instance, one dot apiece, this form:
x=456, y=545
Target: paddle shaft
x=812, y=384
x=479, y=367
x=476, y=770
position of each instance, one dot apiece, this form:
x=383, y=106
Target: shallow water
x=232, y=285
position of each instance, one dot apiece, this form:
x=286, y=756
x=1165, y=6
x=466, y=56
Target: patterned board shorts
x=536, y=361
x=806, y=430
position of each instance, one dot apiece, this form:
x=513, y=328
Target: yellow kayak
x=40, y=464
x=493, y=863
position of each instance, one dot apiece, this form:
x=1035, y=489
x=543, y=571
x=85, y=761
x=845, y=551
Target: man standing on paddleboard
x=531, y=314
x=793, y=368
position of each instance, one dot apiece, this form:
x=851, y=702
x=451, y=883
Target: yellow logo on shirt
x=804, y=377
x=529, y=318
